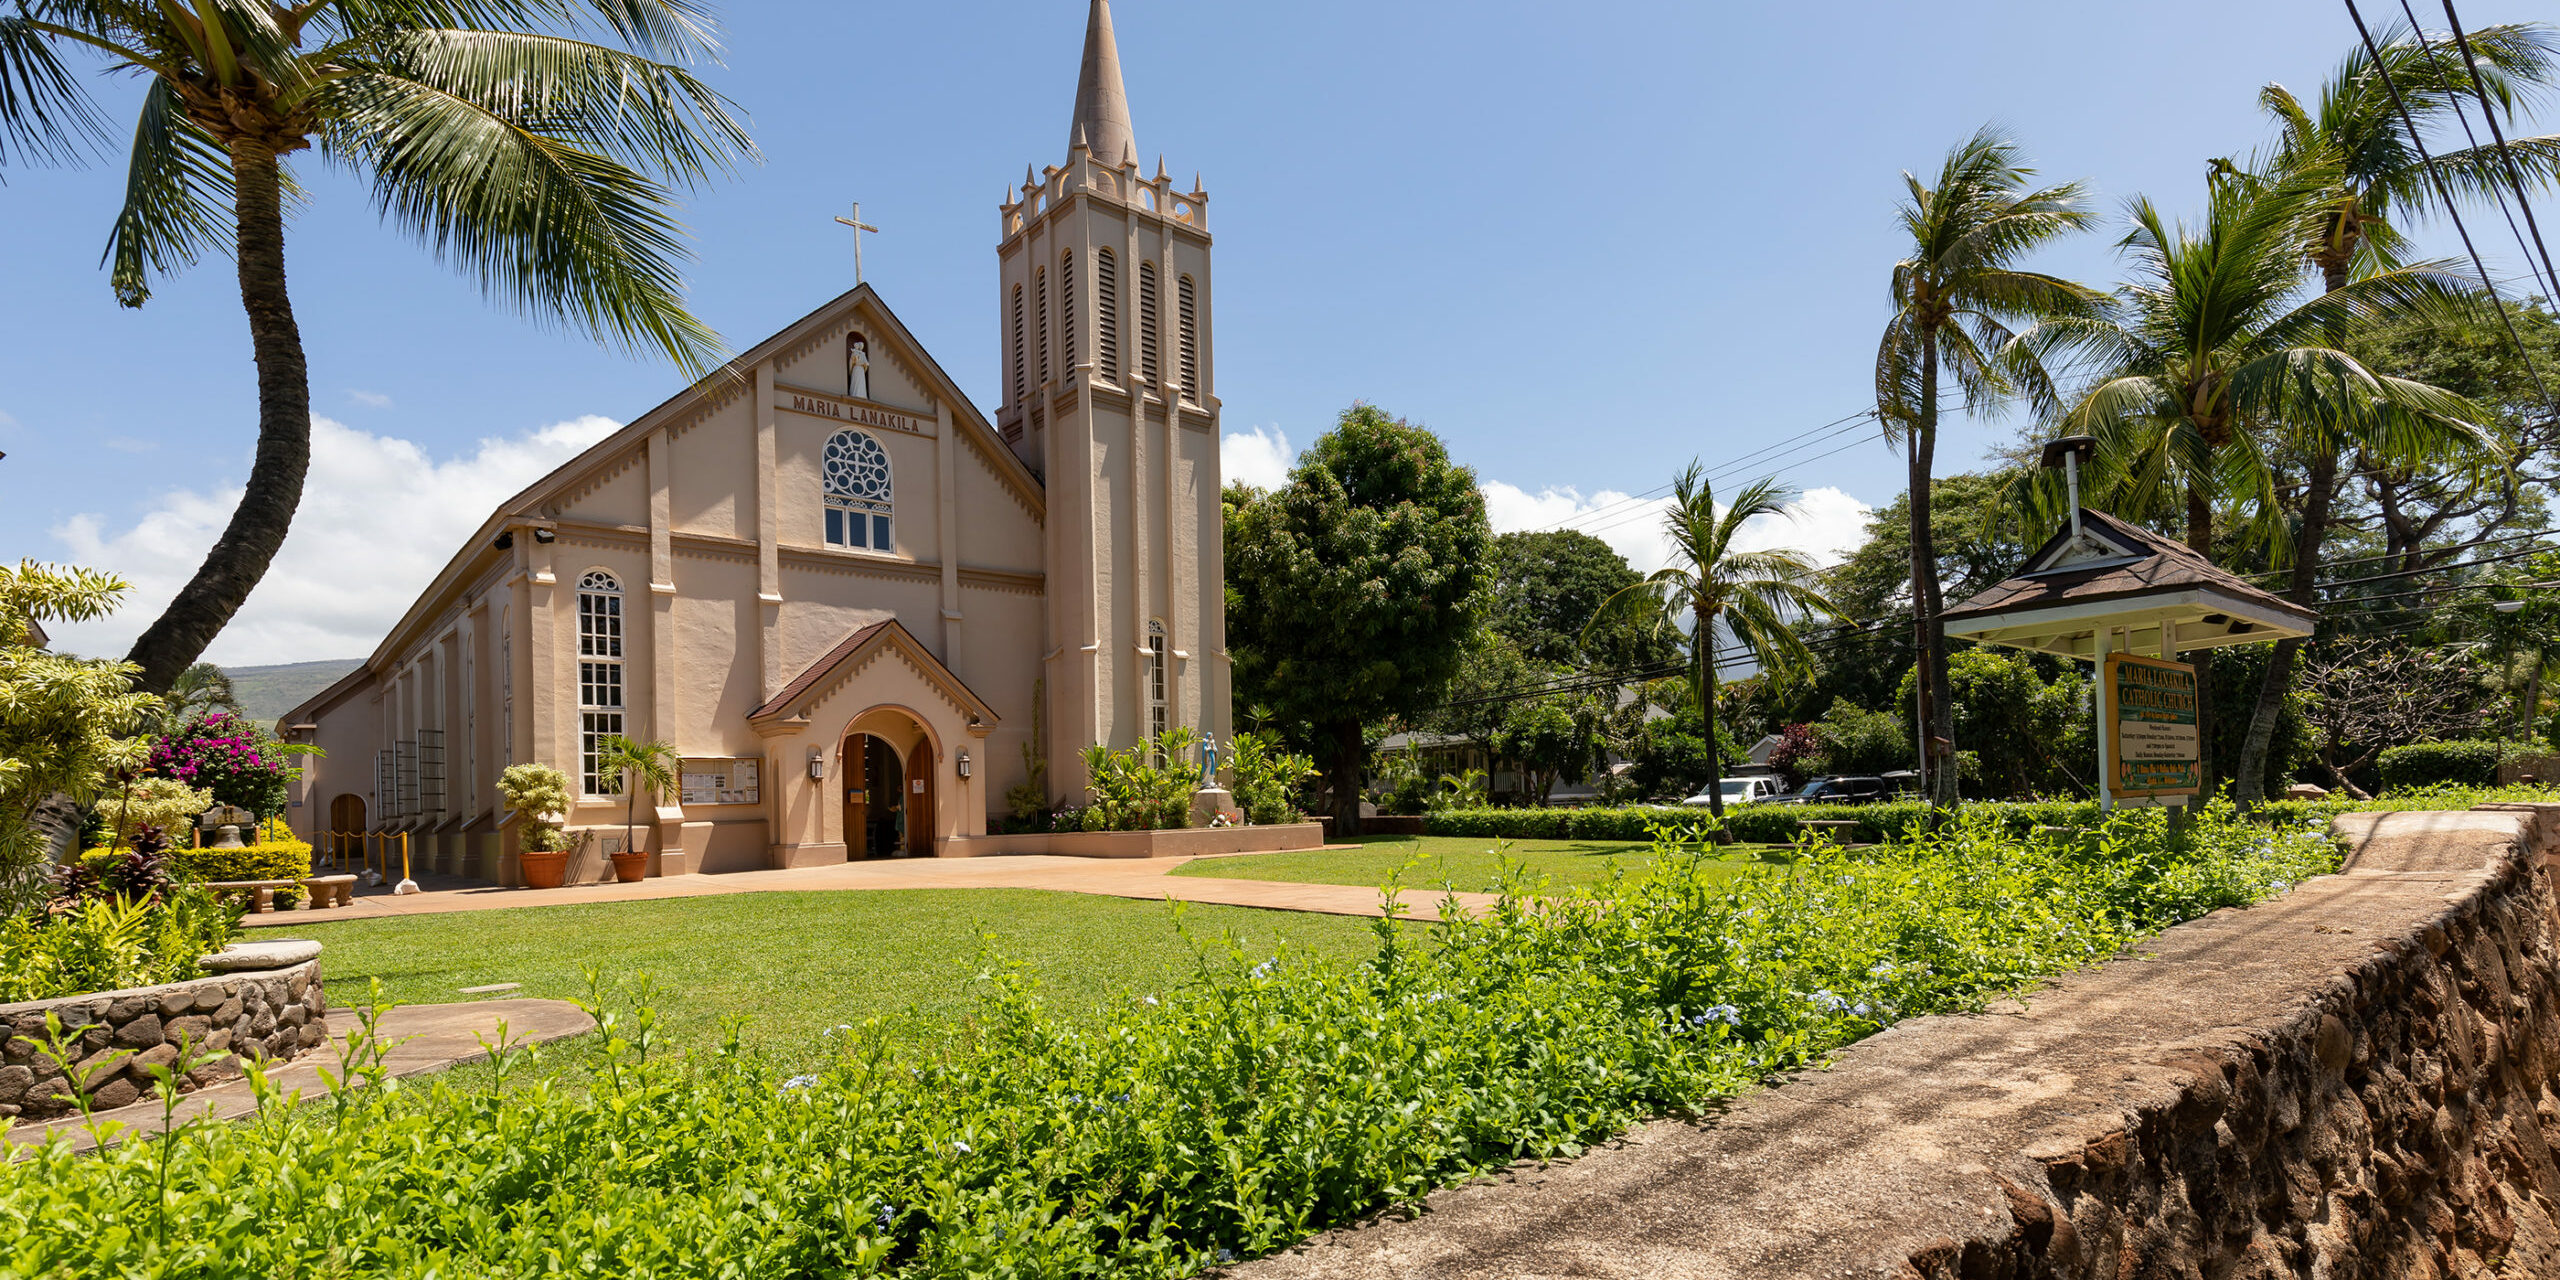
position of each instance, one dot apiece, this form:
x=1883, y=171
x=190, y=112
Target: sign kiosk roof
x=2106, y=575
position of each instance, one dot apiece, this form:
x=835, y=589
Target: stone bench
x=1844, y=830
x=325, y=891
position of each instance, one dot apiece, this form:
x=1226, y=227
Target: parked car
x=1746, y=790
x=1836, y=789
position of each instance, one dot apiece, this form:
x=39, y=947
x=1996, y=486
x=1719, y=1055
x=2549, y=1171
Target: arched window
x=1040, y=304
x=1147, y=366
x=1189, y=317
x=599, y=676
x=1067, y=303
x=1017, y=344
x=1159, y=710
x=1106, y=320
x=857, y=483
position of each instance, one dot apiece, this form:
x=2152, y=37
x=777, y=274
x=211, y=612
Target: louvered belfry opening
x=1190, y=320
x=1106, y=302
x=1067, y=304
x=1148, y=368
x=1017, y=344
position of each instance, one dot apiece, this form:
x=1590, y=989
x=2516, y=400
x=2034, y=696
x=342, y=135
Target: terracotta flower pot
x=630, y=868
x=544, y=870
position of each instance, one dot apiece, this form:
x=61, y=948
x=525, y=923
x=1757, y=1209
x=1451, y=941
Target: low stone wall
x=271, y=1014
x=2355, y=1080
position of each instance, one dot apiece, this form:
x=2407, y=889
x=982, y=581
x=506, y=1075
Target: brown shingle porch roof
x=850, y=652
x=2152, y=565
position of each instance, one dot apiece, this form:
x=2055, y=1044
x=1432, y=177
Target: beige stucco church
x=856, y=605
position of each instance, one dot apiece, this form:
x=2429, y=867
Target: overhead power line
x=2463, y=118
x=2444, y=191
x=2506, y=155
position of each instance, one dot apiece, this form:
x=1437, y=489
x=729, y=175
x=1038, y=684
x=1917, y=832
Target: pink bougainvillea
x=227, y=755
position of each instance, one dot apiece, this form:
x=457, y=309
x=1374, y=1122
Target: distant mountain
x=269, y=692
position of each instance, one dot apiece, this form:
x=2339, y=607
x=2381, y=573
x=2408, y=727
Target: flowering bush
x=1224, y=1119
x=228, y=755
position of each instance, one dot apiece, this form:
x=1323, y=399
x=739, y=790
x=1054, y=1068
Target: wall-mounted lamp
x=963, y=762
x=817, y=763
x=546, y=536
x=505, y=541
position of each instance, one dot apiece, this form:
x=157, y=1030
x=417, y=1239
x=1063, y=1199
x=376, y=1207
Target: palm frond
x=565, y=233
x=46, y=117
x=177, y=198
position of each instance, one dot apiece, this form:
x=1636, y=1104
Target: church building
x=860, y=608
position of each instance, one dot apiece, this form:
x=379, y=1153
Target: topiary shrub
x=278, y=860
x=2427, y=764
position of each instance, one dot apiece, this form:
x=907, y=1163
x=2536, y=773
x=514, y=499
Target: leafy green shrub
x=1750, y=823
x=538, y=795
x=1145, y=788
x=280, y=860
x=1267, y=777
x=2423, y=764
x=109, y=944
x=165, y=803
x=1225, y=1119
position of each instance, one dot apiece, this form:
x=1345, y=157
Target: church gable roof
x=714, y=392
x=849, y=655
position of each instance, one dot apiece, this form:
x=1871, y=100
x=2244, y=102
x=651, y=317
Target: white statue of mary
x=857, y=369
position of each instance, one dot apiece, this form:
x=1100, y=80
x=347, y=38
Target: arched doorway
x=344, y=841
x=887, y=761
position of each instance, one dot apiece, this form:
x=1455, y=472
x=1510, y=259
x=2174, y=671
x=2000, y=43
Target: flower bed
x=1188, y=1127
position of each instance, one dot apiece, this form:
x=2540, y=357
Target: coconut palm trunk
x=1934, y=719
x=2319, y=494
x=239, y=558
x=1703, y=692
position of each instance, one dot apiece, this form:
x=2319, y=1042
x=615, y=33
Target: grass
x=1430, y=863
x=794, y=964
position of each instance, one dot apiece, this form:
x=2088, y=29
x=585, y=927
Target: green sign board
x=2148, y=712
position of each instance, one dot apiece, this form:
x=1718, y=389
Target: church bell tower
x=1109, y=394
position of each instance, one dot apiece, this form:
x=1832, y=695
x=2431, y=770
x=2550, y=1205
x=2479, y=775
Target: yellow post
x=407, y=883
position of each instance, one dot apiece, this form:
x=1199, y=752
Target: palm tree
x=200, y=690
x=2221, y=355
x=505, y=134
x=1754, y=596
x=1963, y=310
x=2353, y=133
x=636, y=766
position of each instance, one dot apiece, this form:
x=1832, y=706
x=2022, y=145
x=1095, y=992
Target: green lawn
x=794, y=964
x=1430, y=863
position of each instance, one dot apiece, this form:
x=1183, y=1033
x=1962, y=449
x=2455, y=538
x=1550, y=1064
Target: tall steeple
x=1102, y=103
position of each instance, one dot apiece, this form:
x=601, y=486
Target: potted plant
x=538, y=795
x=634, y=765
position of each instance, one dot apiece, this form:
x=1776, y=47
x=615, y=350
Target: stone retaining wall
x=2356, y=1080
x=273, y=1014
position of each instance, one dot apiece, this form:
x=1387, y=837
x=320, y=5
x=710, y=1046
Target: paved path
x=1145, y=878
x=424, y=1038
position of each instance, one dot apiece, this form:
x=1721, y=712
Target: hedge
x=1750, y=823
x=276, y=860
x=2423, y=764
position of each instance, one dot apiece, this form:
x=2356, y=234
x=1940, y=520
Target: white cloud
x=1260, y=457
x=1828, y=523
x=370, y=399
x=378, y=518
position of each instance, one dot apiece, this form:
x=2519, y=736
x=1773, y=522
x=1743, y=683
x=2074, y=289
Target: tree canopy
x=1353, y=589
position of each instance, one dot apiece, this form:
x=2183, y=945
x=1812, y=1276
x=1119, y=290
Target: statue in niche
x=857, y=367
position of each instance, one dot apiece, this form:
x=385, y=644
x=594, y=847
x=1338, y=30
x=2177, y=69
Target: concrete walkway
x=424, y=1038
x=1144, y=878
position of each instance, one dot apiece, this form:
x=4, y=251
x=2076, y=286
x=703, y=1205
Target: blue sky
x=1585, y=243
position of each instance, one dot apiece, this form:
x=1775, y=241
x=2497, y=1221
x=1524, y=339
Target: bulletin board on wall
x=718, y=780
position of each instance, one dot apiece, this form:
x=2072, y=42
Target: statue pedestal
x=1209, y=803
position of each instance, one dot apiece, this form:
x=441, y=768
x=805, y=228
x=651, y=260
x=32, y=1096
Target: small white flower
x=961, y=1147
x=1151, y=1000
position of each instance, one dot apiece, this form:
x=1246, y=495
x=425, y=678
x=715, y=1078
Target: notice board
x=721, y=781
x=2147, y=709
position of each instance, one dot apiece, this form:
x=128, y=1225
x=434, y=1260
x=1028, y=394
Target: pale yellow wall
x=714, y=474
x=716, y=673
x=620, y=497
